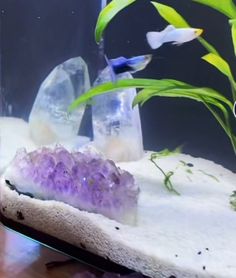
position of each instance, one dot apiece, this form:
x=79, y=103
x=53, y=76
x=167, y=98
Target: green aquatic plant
x=209, y=175
x=175, y=19
x=227, y=7
x=219, y=106
x=169, y=88
x=166, y=152
x=232, y=200
x=167, y=175
x=107, y=14
x=213, y=58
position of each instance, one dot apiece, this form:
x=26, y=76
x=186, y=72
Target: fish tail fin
x=112, y=73
x=154, y=39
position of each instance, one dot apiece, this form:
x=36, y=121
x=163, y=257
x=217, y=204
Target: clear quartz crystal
x=49, y=119
x=116, y=125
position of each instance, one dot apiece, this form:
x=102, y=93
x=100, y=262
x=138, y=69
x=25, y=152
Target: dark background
x=37, y=35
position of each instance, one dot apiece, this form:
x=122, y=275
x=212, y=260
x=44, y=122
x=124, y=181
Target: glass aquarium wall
x=43, y=35
x=118, y=132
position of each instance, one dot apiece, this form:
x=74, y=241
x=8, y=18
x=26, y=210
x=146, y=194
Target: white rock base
x=192, y=235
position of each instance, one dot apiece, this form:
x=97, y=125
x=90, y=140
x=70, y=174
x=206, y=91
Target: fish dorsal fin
x=169, y=28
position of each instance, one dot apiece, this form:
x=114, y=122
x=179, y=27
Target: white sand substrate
x=191, y=235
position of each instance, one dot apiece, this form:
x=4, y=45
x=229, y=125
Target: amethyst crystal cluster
x=82, y=180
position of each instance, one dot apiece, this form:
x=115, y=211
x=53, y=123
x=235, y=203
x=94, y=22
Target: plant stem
x=226, y=127
x=233, y=89
x=167, y=182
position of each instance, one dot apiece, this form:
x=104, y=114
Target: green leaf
x=204, y=95
x=209, y=47
x=170, y=15
x=174, y=18
x=156, y=85
x=219, y=63
x=226, y=7
x=168, y=88
x=166, y=152
x=107, y=14
x=225, y=124
x=233, y=33
x=197, y=94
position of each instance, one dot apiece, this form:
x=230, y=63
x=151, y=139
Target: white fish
x=172, y=34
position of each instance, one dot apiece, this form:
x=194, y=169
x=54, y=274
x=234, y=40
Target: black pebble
x=172, y=276
x=176, y=255
x=207, y=249
x=199, y=253
x=190, y=164
x=204, y=268
x=117, y=228
x=82, y=245
x=19, y=215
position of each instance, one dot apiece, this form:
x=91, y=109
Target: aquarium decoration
x=220, y=106
x=49, y=120
x=83, y=180
x=116, y=126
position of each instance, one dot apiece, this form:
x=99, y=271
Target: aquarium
x=118, y=132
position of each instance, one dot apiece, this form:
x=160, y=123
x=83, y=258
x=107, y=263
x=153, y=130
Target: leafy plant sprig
x=213, y=58
x=232, y=200
x=169, y=88
x=107, y=14
x=167, y=175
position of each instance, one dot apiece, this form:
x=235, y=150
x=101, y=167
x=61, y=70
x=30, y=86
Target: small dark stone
x=204, y=268
x=190, y=164
x=199, y=253
x=7, y=182
x=207, y=249
x=172, y=276
x=11, y=186
x=82, y=245
x=117, y=228
x=19, y=215
x=176, y=255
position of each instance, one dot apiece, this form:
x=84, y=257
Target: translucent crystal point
x=49, y=118
x=82, y=180
x=116, y=125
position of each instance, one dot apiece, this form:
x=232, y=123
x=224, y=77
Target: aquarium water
x=118, y=130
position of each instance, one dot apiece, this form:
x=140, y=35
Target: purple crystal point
x=83, y=180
